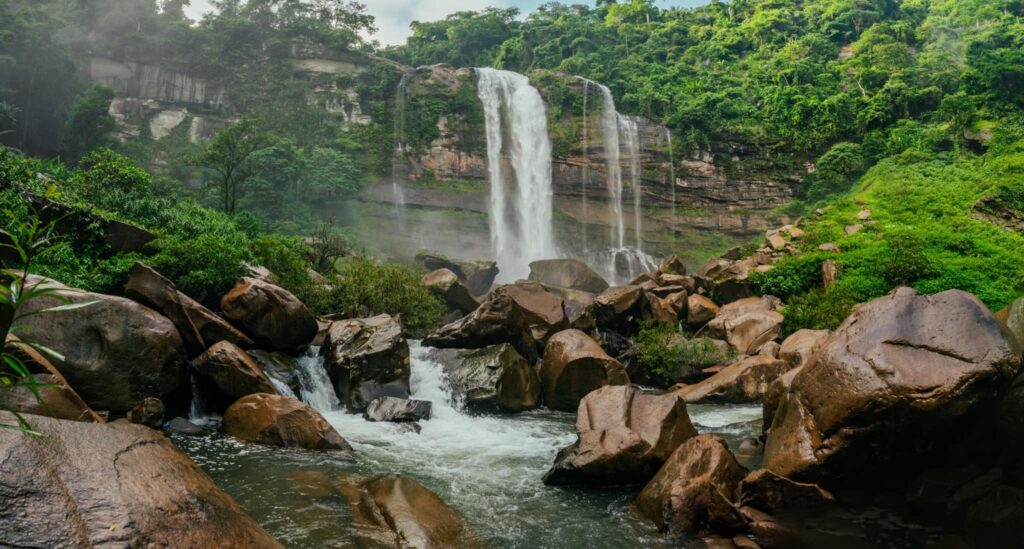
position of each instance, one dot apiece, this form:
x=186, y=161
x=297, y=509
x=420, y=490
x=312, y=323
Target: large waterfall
x=612, y=155
x=631, y=144
x=521, y=194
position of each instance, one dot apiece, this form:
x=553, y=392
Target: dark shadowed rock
x=766, y=491
x=1013, y=317
x=899, y=374
x=567, y=273
x=182, y=426
x=59, y=401
x=492, y=379
x=232, y=372
x=672, y=265
x=148, y=412
x=116, y=353
x=619, y=308
x=693, y=489
x=117, y=485
x=573, y=366
x=478, y=276
x=446, y=285
x=745, y=380
x=624, y=436
x=276, y=420
x=367, y=359
x=397, y=409
x=151, y=289
x=273, y=317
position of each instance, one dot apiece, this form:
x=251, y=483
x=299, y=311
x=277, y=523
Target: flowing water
x=671, y=177
x=489, y=468
x=612, y=155
x=631, y=144
x=521, y=195
x=586, y=167
x=397, y=190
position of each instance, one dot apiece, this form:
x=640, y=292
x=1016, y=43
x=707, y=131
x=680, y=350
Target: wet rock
x=151, y=289
x=493, y=379
x=277, y=366
x=367, y=359
x=148, y=412
x=745, y=380
x=692, y=489
x=478, y=276
x=397, y=409
x=624, y=436
x=232, y=373
x=573, y=366
x=273, y=317
x=112, y=485
x=664, y=309
x=774, y=395
x=700, y=310
x=116, y=354
x=672, y=265
x=899, y=374
x=619, y=308
x=396, y=511
x=747, y=324
x=276, y=420
x=544, y=311
x=58, y=401
x=182, y=426
x=212, y=327
x=567, y=273
x=997, y=519
x=445, y=284
x=1013, y=317
x=772, y=493
x=798, y=348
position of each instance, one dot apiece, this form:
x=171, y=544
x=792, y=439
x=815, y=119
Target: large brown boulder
x=492, y=379
x=116, y=351
x=544, y=311
x=212, y=327
x=747, y=324
x=777, y=390
x=624, y=436
x=892, y=382
x=396, y=511
x=672, y=265
x=276, y=420
x=55, y=397
x=153, y=290
x=798, y=348
x=478, y=276
x=446, y=285
x=115, y=485
x=497, y=320
x=700, y=310
x=567, y=273
x=273, y=317
x=745, y=380
x=694, y=488
x=232, y=373
x=768, y=492
x=367, y=359
x=619, y=308
x=573, y=366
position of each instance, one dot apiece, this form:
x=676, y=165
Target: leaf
x=59, y=308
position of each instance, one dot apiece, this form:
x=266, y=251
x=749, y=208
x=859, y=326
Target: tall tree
x=228, y=154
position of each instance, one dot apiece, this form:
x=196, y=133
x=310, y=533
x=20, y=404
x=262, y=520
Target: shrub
x=819, y=309
x=907, y=261
x=366, y=287
x=791, y=276
x=666, y=356
x=286, y=258
x=205, y=267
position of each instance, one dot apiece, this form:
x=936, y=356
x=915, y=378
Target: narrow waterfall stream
x=489, y=468
x=631, y=144
x=521, y=195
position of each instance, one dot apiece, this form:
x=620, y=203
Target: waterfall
x=282, y=388
x=314, y=384
x=586, y=165
x=671, y=178
x=631, y=144
x=612, y=155
x=520, y=201
x=397, y=191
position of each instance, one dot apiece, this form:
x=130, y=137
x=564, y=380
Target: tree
x=89, y=123
x=228, y=153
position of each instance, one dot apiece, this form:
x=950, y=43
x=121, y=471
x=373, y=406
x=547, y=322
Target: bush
x=819, y=309
x=907, y=262
x=286, y=258
x=205, y=267
x=364, y=287
x=791, y=276
x=666, y=356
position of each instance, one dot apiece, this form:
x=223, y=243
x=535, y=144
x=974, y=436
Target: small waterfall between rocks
x=521, y=195
x=315, y=386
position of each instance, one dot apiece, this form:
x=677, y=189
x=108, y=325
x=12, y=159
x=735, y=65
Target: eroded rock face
x=232, y=372
x=572, y=274
x=276, y=420
x=367, y=359
x=446, y=285
x=153, y=290
x=891, y=382
x=745, y=380
x=492, y=379
x=112, y=485
x=270, y=315
x=693, y=489
x=624, y=436
x=573, y=366
x=116, y=354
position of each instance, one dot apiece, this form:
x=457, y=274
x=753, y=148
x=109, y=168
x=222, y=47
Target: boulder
x=478, y=276
x=619, y=308
x=567, y=273
x=688, y=283
x=444, y=284
x=766, y=491
x=774, y=395
x=367, y=359
x=692, y=490
x=573, y=366
x=493, y=379
x=148, y=412
x=498, y=320
x=115, y=485
x=397, y=409
x=798, y=348
x=747, y=323
x=543, y=311
x=700, y=310
x=212, y=327
x=278, y=367
x=1013, y=317
x=58, y=400
x=745, y=380
x=182, y=426
x=396, y=511
x=275, y=420
x=273, y=317
x=624, y=436
x=151, y=289
x=892, y=382
x=232, y=373
x=672, y=265
x=116, y=352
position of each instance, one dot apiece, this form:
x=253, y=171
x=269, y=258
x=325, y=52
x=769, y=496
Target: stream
x=489, y=468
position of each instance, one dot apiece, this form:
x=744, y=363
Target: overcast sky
x=394, y=16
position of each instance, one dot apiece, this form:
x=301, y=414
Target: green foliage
x=229, y=155
x=204, y=266
x=819, y=309
x=288, y=259
x=89, y=123
x=907, y=262
x=667, y=356
x=791, y=276
x=364, y=287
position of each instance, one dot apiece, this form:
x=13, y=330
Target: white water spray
x=521, y=201
x=314, y=384
x=397, y=191
x=612, y=155
x=631, y=144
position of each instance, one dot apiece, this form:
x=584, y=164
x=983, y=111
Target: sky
x=394, y=16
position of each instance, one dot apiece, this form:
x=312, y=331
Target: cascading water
x=521, y=193
x=397, y=191
x=314, y=384
x=612, y=155
x=631, y=144
x=586, y=166
x=671, y=178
